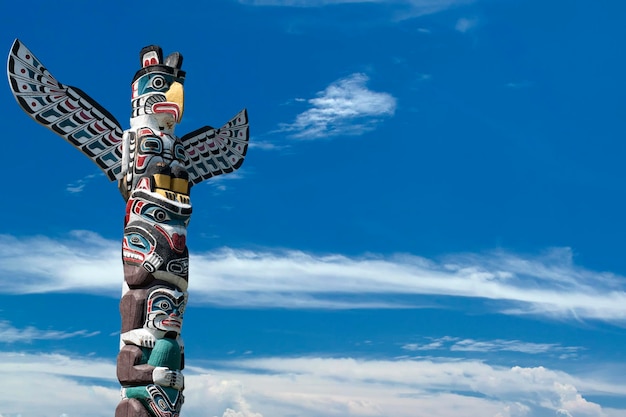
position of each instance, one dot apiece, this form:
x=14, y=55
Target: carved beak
x=176, y=94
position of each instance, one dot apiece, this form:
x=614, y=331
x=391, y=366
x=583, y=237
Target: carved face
x=169, y=219
x=164, y=309
x=154, y=148
x=158, y=88
x=155, y=238
x=161, y=95
x=137, y=246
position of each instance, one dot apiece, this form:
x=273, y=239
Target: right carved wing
x=215, y=152
x=65, y=110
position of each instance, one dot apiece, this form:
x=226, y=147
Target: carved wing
x=213, y=152
x=67, y=111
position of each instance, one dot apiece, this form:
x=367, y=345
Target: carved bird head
x=158, y=95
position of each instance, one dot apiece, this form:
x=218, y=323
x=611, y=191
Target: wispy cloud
x=346, y=107
x=465, y=24
x=80, y=184
x=550, y=284
x=302, y=3
x=488, y=346
x=10, y=334
x=404, y=9
x=267, y=146
x=313, y=386
x=44, y=264
x=519, y=84
x=219, y=183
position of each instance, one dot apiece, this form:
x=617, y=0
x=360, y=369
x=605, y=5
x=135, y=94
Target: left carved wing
x=67, y=111
x=213, y=152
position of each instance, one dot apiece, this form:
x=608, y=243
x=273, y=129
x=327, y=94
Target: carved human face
x=164, y=309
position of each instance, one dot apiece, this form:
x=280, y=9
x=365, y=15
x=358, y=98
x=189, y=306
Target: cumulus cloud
x=346, y=107
x=211, y=395
x=311, y=386
x=79, y=386
x=11, y=334
x=548, y=284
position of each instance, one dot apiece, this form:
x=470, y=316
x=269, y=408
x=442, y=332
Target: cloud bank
x=312, y=386
x=550, y=284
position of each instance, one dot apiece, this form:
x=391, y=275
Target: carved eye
x=164, y=305
x=162, y=404
x=160, y=215
x=157, y=214
x=136, y=241
x=158, y=82
x=179, y=152
x=151, y=145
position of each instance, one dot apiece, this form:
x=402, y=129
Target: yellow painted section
x=180, y=185
x=162, y=181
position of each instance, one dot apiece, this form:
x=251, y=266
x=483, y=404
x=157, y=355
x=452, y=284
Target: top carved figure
x=149, y=147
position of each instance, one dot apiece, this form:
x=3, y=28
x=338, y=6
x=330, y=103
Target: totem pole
x=155, y=170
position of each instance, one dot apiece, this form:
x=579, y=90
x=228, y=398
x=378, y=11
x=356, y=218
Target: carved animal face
x=157, y=148
x=155, y=237
x=158, y=91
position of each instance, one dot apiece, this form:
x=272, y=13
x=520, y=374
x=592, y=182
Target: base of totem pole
x=131, y=408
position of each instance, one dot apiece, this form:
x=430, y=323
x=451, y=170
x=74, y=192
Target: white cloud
x=219, y=183
x=47, y=385
x=208, y=395
x=497, y=345
x=267, y=146
x=311, y=386
x=44, y=264
x=424, y=7
x=465, y=24
x=301, y=3
x=80, y=184
x=548, y=284
x=404, y=8
x=10, y=334
x=346, y=107
x=519, y=85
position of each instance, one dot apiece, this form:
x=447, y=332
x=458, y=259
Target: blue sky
x=429, y=221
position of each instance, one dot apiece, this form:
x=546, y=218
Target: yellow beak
x=176, y=94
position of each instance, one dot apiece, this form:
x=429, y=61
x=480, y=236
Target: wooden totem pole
x=155, y=170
